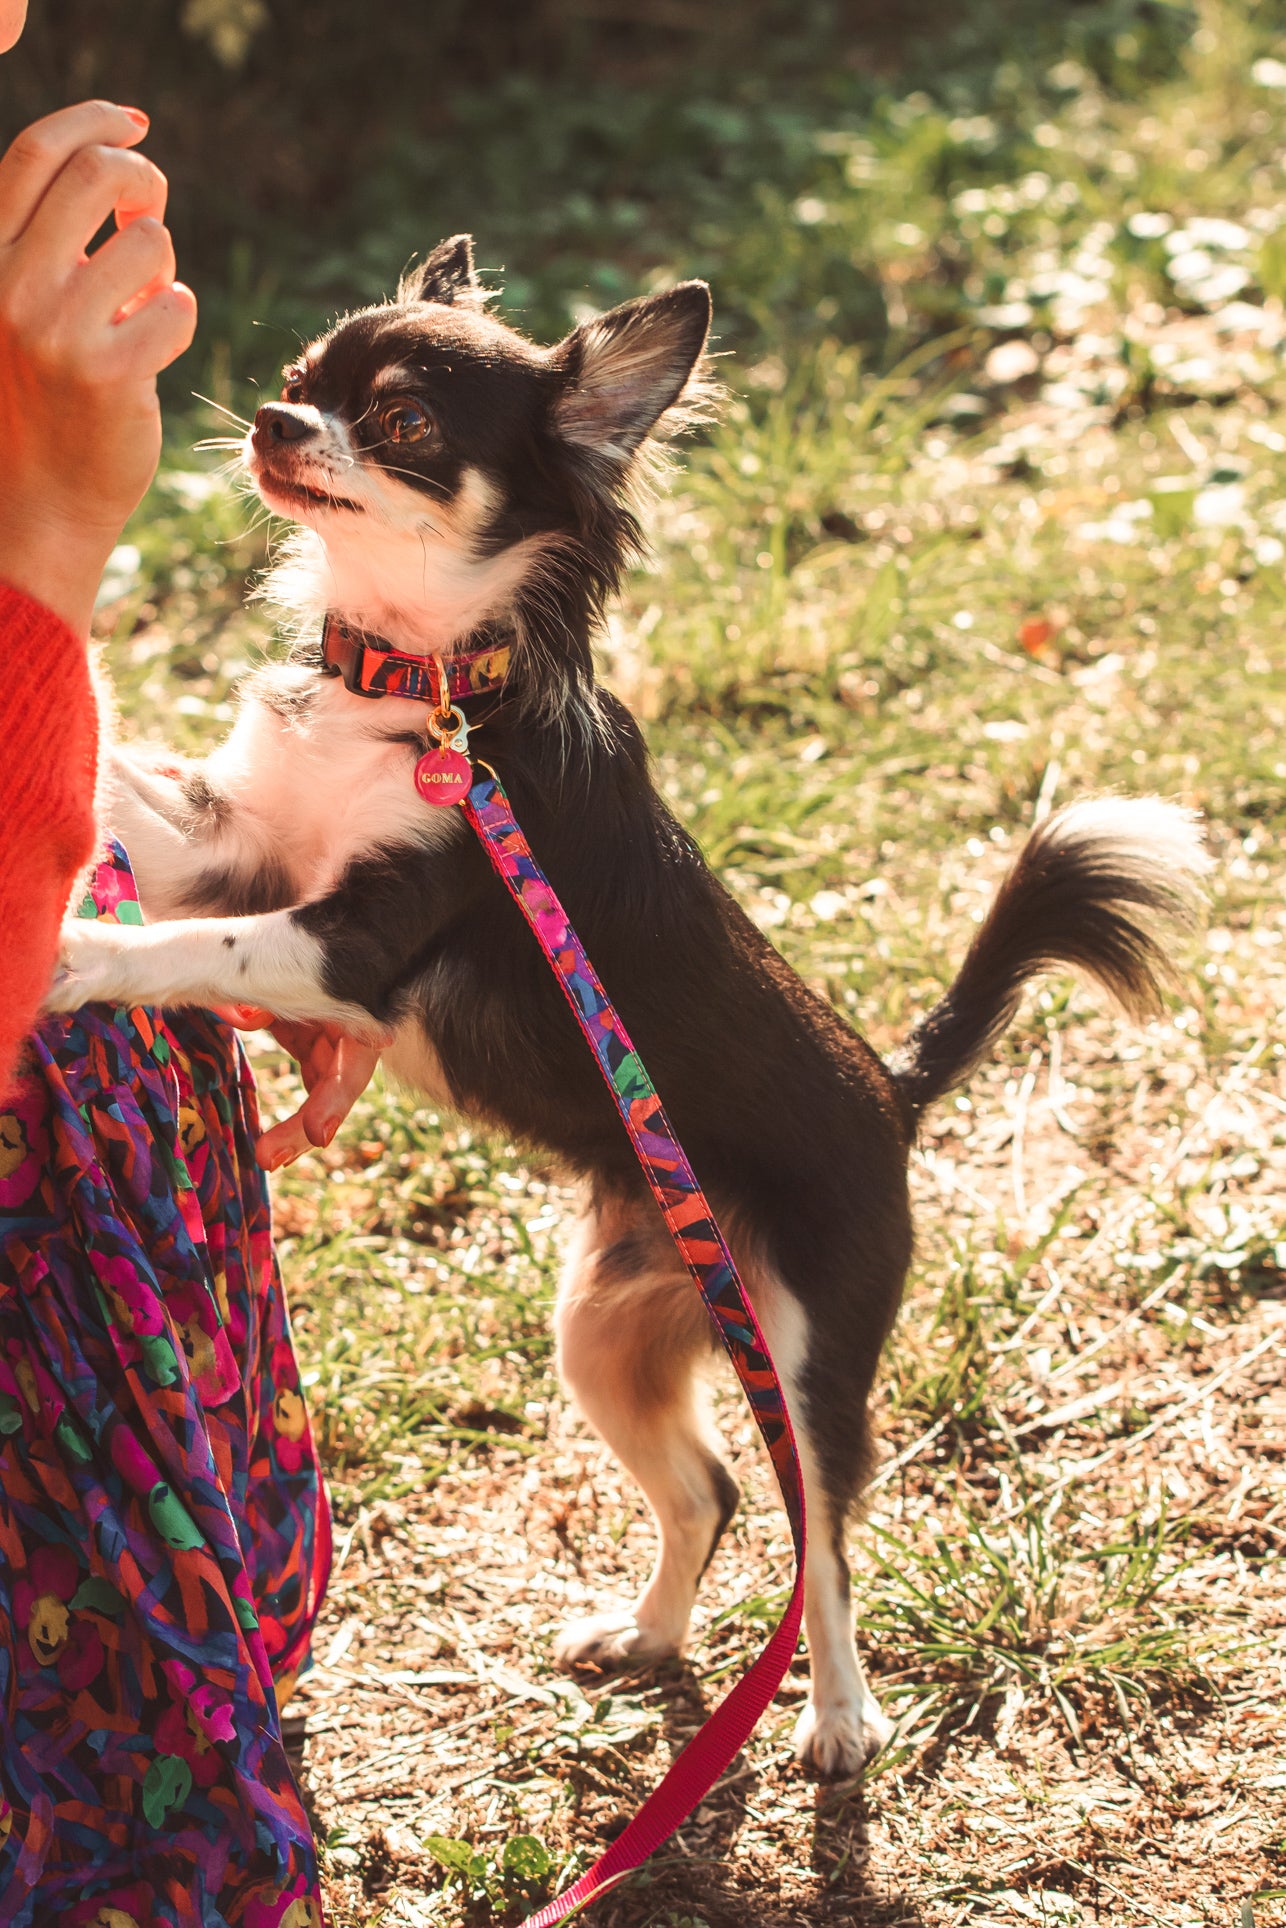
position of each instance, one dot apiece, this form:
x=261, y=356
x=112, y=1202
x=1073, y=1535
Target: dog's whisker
x=389, y=468
x=238, y=421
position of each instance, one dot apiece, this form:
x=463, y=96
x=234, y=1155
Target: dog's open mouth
x=299, y=493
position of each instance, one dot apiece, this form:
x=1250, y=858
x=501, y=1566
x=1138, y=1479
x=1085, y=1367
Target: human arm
x=48, y=744
x=81, y=340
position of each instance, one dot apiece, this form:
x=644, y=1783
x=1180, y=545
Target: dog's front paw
x=88, y=967
x=837, y=1741
x=609, y=1640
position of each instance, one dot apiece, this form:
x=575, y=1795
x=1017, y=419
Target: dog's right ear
x=445, y=275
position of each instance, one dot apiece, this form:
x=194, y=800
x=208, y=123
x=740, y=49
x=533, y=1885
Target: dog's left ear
x=624, y=369
x=446, y=274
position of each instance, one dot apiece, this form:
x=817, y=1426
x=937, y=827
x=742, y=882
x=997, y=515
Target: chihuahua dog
x=457, y=486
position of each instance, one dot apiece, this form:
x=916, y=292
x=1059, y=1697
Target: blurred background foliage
x=801, y=154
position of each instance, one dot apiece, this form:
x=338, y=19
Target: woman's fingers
x=42, y=150
x=335, y=1095
x=246, y=1017
x=336, y=1070
x=95, y=182
x=334, y=1086
x=342, y=1072
x=282, y=1144
x=139, y=257
x=310, y=1045
x=155, y=335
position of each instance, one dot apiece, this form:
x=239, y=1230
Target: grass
x=908, y=594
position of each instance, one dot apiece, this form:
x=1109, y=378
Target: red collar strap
x=372, y=667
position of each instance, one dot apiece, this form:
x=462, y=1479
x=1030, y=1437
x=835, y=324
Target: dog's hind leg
x=632, y=1335
x=842, y=1725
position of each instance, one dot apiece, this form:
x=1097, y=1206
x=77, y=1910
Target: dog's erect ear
x=625, y=368
x=447, y=274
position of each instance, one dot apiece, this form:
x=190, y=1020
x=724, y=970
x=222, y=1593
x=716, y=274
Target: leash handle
x=702, y=1248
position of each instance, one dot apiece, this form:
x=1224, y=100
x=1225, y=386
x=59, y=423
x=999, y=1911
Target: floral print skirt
x=164, y=1538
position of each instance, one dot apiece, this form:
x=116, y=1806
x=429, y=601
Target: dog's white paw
x=836, y=1742
x=609, y=1640
x=88, y=966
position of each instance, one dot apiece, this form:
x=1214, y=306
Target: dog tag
x=443, y=775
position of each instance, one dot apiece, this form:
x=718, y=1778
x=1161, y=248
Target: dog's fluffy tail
x=1097, y=887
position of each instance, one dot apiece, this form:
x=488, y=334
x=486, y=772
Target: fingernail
x=329, y=1129
x=139, y=118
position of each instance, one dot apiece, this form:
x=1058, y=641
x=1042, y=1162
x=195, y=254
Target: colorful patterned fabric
x=701, y=1246
x=372, y=667
x=164, y=1539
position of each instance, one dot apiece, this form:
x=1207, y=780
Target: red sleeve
x=48, y=756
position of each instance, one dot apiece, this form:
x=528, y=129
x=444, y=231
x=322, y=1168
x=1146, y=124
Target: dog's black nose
x=279, y=422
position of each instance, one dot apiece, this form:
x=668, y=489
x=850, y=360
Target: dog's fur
x=298, y=869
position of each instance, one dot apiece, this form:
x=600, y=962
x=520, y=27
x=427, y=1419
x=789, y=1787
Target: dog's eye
x=293, y=390
x=406, y=422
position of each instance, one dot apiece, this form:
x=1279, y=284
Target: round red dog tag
x=443, y=775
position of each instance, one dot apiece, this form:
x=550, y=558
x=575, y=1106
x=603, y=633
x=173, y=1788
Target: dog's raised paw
x=84, y=973
x=836, y=1742
x=68, y=990
x=609, y=1640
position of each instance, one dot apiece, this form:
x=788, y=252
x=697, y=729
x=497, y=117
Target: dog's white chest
x=326, y=783
x=310, y=779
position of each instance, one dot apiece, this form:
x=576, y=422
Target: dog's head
x=450, y=472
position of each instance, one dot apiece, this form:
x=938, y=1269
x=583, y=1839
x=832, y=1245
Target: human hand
x=335, y=1068
x=82, y=339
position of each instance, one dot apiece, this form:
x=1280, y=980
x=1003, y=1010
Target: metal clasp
x=449, y=729
x=446, y=724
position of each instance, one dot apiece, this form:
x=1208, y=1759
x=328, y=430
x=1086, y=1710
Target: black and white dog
x=455, y=483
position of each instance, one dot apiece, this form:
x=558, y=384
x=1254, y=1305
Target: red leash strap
x=701, y=1246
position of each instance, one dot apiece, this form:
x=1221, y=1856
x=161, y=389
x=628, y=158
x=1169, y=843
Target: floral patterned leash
x=445, y=775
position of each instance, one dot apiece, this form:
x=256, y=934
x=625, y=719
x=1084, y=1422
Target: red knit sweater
x=48, y=756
